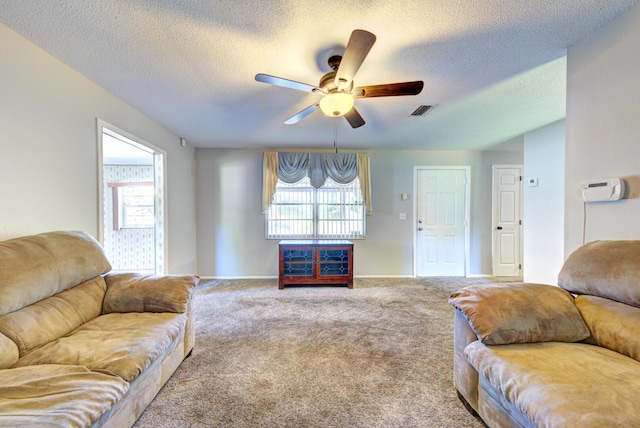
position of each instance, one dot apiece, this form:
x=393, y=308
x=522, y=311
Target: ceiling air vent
x=421, y=110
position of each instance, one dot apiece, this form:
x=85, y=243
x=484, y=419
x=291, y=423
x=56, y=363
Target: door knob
x=499, y=228
x=420, y=221
x=420, y=228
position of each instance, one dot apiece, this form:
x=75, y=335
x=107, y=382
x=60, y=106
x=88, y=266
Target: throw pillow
x=501, y=314
x=148, y=293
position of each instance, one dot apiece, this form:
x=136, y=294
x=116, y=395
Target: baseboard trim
x=206, y=277
x=382, y=276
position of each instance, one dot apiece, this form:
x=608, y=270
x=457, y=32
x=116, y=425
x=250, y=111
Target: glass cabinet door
x=298, y=262
x=333, y=262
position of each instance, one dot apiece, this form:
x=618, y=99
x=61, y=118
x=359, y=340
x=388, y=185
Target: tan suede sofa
x=80, y=347
x=531, y=355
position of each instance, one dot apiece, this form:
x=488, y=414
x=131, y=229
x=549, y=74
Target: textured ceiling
x=494, y=68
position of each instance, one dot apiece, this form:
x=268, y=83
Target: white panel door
x=507, y=188
x=440, y=217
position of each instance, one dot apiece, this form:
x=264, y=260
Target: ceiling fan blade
x=286, y=83
x=301, y=115
x=354, y=118
x=389, y=90
x=358, y=47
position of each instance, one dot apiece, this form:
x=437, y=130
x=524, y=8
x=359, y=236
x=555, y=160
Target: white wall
x=231, y=239
x=603, y=130
x=543, y=205
x=48, y=151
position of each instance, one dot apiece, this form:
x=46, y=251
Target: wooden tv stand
x=315, y=262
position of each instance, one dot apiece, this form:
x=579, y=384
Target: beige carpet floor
x=378, y=355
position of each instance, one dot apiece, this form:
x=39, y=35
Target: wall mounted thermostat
x=606, y=189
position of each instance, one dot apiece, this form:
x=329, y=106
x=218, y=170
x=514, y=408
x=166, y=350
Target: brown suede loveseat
x=80, y=347
x=532, y=355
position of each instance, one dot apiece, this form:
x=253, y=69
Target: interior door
x=507, y=223
x=441, y=222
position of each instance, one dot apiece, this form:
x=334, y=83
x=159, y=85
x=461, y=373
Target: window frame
x=120, y=206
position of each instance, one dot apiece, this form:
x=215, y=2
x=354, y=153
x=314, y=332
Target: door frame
x=494, y=215
x=161, y=247
x=467, y=212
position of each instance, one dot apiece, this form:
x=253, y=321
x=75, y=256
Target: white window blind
x=298, y=210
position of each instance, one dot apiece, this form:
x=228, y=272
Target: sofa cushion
x=607, y=269
x=51, y=318
x=562, y=384
x=613, y=325
x=35, y=267
x=130, y=292
x=520, y=313
x=9, y=352
x=120, y=344
x=56, y=396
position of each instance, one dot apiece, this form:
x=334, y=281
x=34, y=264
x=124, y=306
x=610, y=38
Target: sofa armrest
x=520, y=313
x=130, y=292
x=465, y=376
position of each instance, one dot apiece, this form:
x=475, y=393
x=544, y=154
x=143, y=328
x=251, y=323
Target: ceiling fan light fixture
x=336, y=104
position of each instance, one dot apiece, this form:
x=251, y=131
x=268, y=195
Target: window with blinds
x=300, y=211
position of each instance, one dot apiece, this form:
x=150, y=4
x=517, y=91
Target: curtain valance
x=291, y=167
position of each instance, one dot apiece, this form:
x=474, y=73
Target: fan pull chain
x=335, y=136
